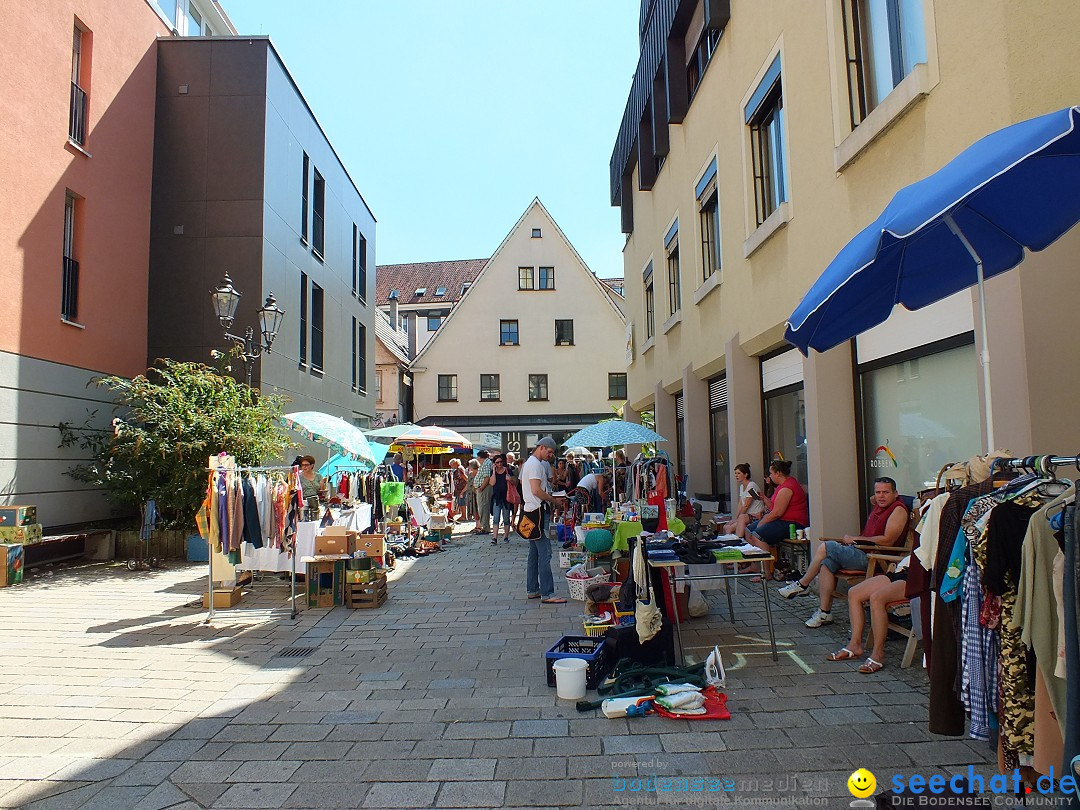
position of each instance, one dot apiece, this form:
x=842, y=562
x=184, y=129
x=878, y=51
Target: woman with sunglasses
x=502, y=512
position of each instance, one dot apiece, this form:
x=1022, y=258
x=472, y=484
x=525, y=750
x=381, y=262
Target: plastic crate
x=578, y=587
x=596, y=630
x=595, y=651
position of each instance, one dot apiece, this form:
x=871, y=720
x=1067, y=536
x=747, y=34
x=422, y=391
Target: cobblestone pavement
x=114, y=695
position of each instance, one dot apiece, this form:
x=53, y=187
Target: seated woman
x=788, y=507
x=751, y=503
x=879, y=592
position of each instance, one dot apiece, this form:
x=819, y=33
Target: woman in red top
x=788, y=507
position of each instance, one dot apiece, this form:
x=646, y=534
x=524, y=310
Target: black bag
x=529, y=525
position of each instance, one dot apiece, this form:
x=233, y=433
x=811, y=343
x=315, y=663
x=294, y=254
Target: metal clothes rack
x=1035, y=462
x=210, y=552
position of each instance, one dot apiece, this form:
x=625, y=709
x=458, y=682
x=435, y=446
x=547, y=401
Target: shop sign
x=883, y=458
x=514, y=443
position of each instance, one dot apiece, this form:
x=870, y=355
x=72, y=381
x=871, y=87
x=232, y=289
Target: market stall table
x=673, y=577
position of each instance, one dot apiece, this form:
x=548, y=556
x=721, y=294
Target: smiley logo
x=861, y=783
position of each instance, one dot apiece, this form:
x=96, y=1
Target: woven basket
x=578, y=586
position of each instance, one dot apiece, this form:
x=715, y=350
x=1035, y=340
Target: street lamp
x=225, y=299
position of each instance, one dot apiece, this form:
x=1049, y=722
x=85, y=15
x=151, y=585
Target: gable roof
x=394, y=340
x=430, y=276
x=606, y=292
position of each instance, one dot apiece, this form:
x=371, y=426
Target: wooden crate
x=366, y=595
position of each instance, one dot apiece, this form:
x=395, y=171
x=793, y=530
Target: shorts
x=840, y=557
x=773, y=533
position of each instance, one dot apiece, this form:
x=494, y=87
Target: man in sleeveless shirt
x=885, y=526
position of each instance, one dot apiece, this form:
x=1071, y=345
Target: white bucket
x=570, y=678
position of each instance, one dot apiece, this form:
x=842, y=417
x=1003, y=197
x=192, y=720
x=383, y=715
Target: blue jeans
x=501, y=515
x=838, y=556
x=538, y=577
x=773, y=533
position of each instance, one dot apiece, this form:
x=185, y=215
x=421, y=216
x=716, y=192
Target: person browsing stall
x=886, y=525
x=595, y=485
x=751, y=503
x=539, y=582
x=502, y=511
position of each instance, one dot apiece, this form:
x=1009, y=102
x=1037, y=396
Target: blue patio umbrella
x=1016, y=188
x=331, y=431
x=340, y=463
x=612, y=433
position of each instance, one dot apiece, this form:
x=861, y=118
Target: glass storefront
x=785, y=431
x=918, y=415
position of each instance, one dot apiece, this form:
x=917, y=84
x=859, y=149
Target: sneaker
x=793, y=589
x=819, y=618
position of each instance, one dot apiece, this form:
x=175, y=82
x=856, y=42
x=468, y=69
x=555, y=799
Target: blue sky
x=452, y=116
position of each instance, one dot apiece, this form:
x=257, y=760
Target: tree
x=171, y=420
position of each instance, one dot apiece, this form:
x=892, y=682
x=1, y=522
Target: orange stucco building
x=77, y=102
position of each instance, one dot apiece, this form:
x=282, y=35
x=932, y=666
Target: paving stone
x=255, y=796
x=203, y=772
x=641, y=744
x=477, y=731
x=461, y=770
x=274, y=771
x=203, y=793
x=163, y=796
x=402, y=794
x=531, y=768
x=540, y=728
x=471, y=794
x=327, y=795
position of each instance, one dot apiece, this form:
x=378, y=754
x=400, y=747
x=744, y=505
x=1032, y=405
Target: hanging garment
x=252, y=531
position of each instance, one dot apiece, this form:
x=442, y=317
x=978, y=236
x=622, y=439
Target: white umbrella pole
x=985, y=356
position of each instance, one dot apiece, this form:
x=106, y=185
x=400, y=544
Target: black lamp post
x=225, y=299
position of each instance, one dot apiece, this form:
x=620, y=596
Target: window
x=440, y=292
x=535, y=233
x=304, y=200
x=525, y=278
x=448, y=388
x=465, y=287
x=538, y=387
x=564, y=333
x=883, y=41
x=785, y=429
x=616, y=385
x=354, y=355
x=420, y=292
x=395, y=294
x=699, y=60
x=508, y=333
x=69, y=289
x=650, y=303
x=434, y=322
x=303, y=317
x=316, y=326
x=77, y=112
x=718, y=440
x=489, y=387
x=355, y=255
x=378, y=386
x=680, y=435
x=194, y=21
x=765, y=118
x=709, y=221
x=673, y=275
x=361, y=267
x=318, y=215
x=547, y=278
x=361, y=373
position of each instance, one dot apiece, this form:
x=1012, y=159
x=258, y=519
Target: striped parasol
x=432, y=435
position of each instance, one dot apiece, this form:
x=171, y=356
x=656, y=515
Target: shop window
x=718, y=442
x=674, y=276
x=79, y=81
x=303, y=317
x=489, y=387
x=785, y=429
x=316, y=327
x=69, y=289
x=448, y=388
x=304, y=203
x=650, y=303
x=526, y=278
x=883, y=41
x=361, y=371
x=564, y=333
x=765, y=120
x=508, y=333
x=318, y=216
x=546, y=278
x=917, y=416
x=616, y=385
x=538, y=387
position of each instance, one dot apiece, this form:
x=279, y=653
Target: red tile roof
x=407, y=278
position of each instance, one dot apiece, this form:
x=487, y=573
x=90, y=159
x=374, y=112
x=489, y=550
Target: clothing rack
x=216, y=468
x=1035, y=462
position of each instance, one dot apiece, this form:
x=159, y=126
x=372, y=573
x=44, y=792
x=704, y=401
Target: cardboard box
x=223, y=598
x=11, y=564
x=18, y=515
x=24, y=535
x=370, y=545
x=325, y=583
x=332, y=540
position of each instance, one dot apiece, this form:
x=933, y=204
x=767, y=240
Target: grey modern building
x=247, y=183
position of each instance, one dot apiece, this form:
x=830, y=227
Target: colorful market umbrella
x=339, y=463
x=613, y=433
x=390, y=431
x=972, y=219
x=432, y=435
x=331, y=431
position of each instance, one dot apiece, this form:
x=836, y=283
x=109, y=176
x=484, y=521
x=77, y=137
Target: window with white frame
x=526, y=278
x=673, y=271
x=883, y=41
x=650, y=302
x=709, y=221
x=79, y=82
x=764, y=115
